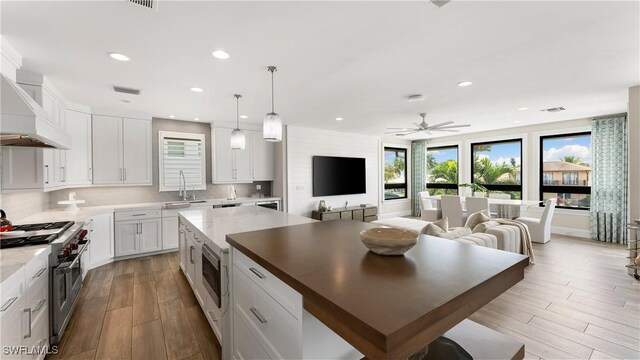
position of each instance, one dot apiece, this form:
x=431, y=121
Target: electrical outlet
x=299, y=187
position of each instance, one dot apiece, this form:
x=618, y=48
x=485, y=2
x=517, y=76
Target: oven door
x=211, y=273
x=66, y=284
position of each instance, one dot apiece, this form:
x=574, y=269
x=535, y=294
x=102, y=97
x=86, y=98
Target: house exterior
x=564, y=173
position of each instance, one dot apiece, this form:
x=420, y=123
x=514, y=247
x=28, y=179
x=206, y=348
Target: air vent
x=439, y=3
x=125, y=90
x=555, y=109
x=146, y=3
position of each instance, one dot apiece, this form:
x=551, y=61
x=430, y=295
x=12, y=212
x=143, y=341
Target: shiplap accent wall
x=304, y=143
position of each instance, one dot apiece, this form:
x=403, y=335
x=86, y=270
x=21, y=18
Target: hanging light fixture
x=237, y=136
x=272, y=125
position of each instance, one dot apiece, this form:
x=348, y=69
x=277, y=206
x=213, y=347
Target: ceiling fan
x=423, y=126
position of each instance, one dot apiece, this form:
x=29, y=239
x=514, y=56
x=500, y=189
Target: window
x=565, y=165
x=442, y=170
x=497, y=166
x=181, y=151
x=395, y=173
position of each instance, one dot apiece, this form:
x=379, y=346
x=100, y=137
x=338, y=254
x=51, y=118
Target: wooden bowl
x=388, y=241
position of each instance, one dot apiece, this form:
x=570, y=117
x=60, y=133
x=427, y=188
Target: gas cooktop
x=34, y=234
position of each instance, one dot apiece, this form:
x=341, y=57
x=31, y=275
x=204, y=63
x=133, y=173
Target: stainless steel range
x=67, y=240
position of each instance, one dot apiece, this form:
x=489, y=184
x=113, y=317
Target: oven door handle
x=68, y=267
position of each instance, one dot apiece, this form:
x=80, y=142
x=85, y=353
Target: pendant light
x=272, y=125
x=237, y=136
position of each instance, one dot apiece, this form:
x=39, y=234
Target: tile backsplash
x=95, y=196
x=20, y=205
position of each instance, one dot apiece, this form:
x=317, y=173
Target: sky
x=557, y=148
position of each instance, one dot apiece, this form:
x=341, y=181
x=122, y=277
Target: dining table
x=503, y=208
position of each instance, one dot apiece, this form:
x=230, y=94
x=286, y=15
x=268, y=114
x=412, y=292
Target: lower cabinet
x=138, y=236
x=101, y=248
x=184, y=247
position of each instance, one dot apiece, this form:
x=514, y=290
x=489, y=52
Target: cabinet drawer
x=331, y=216
x=37, y=298
x=137, y=215
x=273, y=326
x=348, y=215
x=37, y=269
x=245, y=346
x=370, y=211
x=358, y=215
x=39, y=337
x=288, y=298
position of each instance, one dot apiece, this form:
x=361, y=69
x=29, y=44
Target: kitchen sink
x=197, y=201
x=177, y=205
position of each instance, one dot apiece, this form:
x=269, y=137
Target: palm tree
x=488, y=173
x=574, y=160
x=444, y=172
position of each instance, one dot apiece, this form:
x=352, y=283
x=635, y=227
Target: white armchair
x=427, y=211
x=452, y=209
x=540, y=229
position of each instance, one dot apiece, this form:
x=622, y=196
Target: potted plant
x=468, y=189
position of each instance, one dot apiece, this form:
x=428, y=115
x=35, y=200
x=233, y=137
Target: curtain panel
x=418, y=173
x=609, y=200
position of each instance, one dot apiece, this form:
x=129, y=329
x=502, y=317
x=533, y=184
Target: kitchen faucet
x=183, y=189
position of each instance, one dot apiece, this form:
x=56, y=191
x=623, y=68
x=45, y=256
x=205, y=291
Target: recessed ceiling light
x=220, y=54
x=517, y=121
x=196, y=89
x=523, y=108
x=339, y=119
x=119, y=57
x=464, y=83
x=196, y=119
x=172, y=116
x=244, y=117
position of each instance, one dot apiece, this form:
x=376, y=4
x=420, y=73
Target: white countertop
x=14, y=259
x=85, y=212
x=216, y=224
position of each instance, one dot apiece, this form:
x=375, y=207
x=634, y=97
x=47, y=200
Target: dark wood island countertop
x=385, y=306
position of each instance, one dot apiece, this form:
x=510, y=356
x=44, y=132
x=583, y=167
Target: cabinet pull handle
x=46, y=167
x=257, y=314
x=138, y=214
x=40, y=305
x=63, y=174
x=90, y=175
x=191, y=254
x=39, y=273
x=28, y=310
x=121, y=175
x=8, y=304
x=258, y=273
x=91, y=226
x=125, y=174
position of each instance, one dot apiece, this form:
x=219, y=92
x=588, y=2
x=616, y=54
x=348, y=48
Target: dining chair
x=427, y=211
x=499, y=211
x=452, y=209
x=475, y=204
x=540, y=229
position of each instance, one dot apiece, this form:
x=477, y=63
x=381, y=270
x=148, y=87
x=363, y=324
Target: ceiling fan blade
x=399, y=129
x=419, y=126
x=447, y=130
x=454, y=126
x=440, y=124
x=413, y=132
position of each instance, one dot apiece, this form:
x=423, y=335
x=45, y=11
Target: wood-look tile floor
x=576, y=302
x=138, y=309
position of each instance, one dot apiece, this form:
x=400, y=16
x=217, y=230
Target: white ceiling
x=356, y=60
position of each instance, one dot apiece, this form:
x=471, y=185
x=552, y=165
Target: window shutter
x=186, y=155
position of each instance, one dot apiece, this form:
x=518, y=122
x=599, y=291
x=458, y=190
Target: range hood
x=24, y=123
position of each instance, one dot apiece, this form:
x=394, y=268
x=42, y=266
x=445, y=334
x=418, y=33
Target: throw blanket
x=527, y=248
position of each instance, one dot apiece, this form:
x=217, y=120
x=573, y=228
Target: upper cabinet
x=78, y=158
x=254, y=163
x=121, y=151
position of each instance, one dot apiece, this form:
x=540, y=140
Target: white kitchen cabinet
x=25, y=168
x=191, y=261
x=121, y=151
x=102, y=239
x=127, y=237
x=59, y=167
x=230, y=166
x=183, y=243
x=12, y=300
x=78, y=161
x=198, y=285
x=170, y=232
x=263, y=153
x=150, y=235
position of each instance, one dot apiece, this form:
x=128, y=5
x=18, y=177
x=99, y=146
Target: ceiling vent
x=439, y=3
x=151, y=4
x=125, y=90
x=555, y=109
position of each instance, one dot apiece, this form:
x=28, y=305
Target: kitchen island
x=385, y=307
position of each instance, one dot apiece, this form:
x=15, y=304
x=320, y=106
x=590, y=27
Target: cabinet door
x=242, y=162
x=79, y=156
x=60, y=167
x=11, y=327
x=263, y=153
x=22, y=168
x=127, y=237
x=198, y=286
x=136, y=136
x=49, y=167
x=184, y=250
x=150, y=235
x=169, y=233
x=107, y=149
x=223, y=170
x=102, y=238
x=191, y=261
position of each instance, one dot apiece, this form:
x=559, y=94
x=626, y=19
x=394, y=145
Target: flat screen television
x=338, y=176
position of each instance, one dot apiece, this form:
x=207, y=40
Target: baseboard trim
x=560, y=230
x=395, y=214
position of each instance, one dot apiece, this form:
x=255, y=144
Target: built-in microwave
x=211, y=273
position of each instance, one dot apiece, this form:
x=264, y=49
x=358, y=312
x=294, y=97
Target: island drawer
x=37, y=269
x=137, y=215
x=267, y=320
x=246, y=346
x=288, y=298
